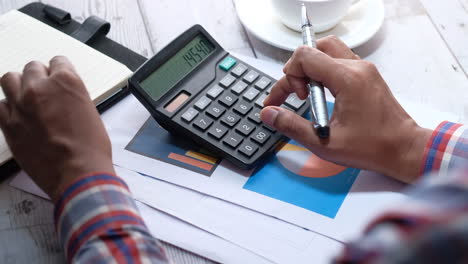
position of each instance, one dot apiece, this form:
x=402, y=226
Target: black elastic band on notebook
x=91, y=28
x=57, y=15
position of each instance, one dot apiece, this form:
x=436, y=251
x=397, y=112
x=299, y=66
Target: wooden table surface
x=421, y=51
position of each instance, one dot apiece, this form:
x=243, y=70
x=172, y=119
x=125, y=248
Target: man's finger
x=291, y=125
x=336, y=48
x=60, y=63
x=279, y=92
x=318, y=66
x=284, y=87
x=11, y=86
x=34, y=71
x=299, y=86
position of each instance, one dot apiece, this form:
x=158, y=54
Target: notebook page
x=24, y=39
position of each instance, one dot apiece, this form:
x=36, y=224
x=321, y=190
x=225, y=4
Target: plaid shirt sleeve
x=431, y=226
x=97, y=222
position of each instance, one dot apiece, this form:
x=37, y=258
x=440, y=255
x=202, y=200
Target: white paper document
x=268, y=237
x=337, y=207
x=186, y=236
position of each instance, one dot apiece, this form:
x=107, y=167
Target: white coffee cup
x=324, y=14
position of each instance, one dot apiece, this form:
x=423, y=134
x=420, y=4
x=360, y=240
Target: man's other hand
x=369, y=129
x=52, y=126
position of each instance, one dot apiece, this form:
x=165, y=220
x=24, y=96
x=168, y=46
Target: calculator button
x=251, y=76
x=248, y=149
x=202, y=103
x=203, y=122
x=230, y=119
x=189, y=115
x=261, y=136
x=233, y=140
x=294, y=102
x=216, y=110
x=263, y=83
x=245, y=128
x=255, y=116
x=215, y=91
x=260, y=100
x=239, y=87
x=287, y=107
x=251, y=94
x=228, y=99
x=269, y=89
x=270, y=128
x=217, y=131
x=227, y=81
x=227, y=63
x=242, y=107
x=239, y=70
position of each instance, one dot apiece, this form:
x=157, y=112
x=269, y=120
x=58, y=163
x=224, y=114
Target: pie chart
x=297, y=176
x=303, y=162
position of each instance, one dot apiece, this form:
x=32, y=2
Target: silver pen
x=318, y=104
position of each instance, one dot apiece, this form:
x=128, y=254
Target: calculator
x=197, y=90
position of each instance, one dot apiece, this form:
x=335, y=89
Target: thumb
x=291, y=125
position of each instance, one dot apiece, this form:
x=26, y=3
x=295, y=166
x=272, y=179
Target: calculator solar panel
x=217, y=104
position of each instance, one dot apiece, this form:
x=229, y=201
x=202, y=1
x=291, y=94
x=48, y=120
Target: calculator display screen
x=177, y=67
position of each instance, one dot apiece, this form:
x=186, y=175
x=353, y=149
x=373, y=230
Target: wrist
x=78, y=168
x=410, y=153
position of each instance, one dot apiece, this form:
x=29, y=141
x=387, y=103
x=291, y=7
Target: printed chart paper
x=231, y=184
x=227, y=182
x=296, y=176
x=172, y=150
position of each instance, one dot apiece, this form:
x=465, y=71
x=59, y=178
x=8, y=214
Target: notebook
x=24, y=39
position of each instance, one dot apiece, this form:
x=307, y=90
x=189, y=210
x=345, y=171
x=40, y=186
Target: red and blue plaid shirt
x=97, y=220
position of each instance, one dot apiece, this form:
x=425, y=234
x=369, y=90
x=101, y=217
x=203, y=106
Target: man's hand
x=52, y=126
x=369, y=129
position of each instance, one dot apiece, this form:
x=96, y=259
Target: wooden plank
x=32, y=244
x=181, y=256
x=5, y=222
x=415, y=60
x=7, y=5
x=27, y=223
x=450, y=17
x=127, y=28
x=28, y=210
x=166, y=20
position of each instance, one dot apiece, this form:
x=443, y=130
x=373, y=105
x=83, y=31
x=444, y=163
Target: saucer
x=363, y=21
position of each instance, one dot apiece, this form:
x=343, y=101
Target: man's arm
x=370, y=130
x=97, y=221
x=57, y=137
x=447, y=148
x=431, y=226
